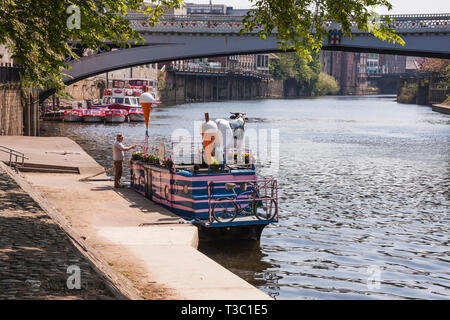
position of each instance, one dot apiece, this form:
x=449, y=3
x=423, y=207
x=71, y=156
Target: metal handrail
x=16, y=155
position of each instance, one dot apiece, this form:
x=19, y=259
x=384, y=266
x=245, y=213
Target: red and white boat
x=93, y=115
x=136, y=115
x=144, y=85
x=124, y=99
x=74, y=115
x=125, y=93
x=115, y=115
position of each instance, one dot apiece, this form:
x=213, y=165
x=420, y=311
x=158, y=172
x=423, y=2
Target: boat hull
x=53, y=116
x=136, y=117
x=246, y=232
x=186, y=195
x=72, y=118
x=112, y=118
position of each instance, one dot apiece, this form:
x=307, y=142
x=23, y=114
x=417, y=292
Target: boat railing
x=261, y=190
x=16, y=158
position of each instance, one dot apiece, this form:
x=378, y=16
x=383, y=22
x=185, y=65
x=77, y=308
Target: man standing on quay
x=118, y=156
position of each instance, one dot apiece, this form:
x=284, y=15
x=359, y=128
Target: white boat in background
x=136, y=115
x=144, y=85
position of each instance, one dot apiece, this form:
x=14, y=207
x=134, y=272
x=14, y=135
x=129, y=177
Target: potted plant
x=214, y=165
x=154, y=159
x=137, y=156
x=246, y=158
x=168, y=163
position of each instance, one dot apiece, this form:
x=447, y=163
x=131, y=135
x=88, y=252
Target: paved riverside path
x=35, y=253
x=57, y=151
x=137, y=238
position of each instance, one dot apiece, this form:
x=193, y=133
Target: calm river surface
x=364, y=195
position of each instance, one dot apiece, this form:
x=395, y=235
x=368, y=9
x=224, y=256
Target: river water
x=364, y=194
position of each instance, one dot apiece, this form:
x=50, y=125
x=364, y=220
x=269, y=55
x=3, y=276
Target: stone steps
x=45, y=168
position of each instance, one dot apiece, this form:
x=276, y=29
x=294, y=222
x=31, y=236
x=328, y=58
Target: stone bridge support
x=181, y=88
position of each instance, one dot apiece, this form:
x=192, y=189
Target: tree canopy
x=307, y=75
x=434, y=65
x=40, y=35
x=291, y=66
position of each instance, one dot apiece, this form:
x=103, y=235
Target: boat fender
x=187, y=221
x=185, y=173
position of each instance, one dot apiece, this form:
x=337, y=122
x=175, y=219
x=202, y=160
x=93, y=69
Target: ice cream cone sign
x=146, y=100
x=209, y=132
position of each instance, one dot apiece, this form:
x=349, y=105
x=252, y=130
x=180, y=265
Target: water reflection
x=246, y=259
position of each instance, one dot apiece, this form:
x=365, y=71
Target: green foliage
x=292, y=66
x=168, y=163
x=306, y=73
x=300, y=24
x=326, y=85
x=38, y=33
x=161, y=82
x=137, y=155
x=38, y=36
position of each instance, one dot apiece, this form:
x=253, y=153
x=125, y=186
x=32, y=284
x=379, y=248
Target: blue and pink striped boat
x=193, y=195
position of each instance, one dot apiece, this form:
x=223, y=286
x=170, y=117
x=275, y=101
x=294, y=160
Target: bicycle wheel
x=265, y=209
x=224, y=211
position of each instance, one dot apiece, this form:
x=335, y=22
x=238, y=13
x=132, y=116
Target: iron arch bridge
x=184, y=37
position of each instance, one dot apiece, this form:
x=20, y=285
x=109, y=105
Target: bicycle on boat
x=248, y=202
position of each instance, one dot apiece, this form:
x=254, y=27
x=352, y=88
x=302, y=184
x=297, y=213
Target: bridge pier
x=181, y=87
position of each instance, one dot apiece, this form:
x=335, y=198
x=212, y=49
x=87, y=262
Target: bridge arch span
x=162, y=47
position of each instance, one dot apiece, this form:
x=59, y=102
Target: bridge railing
x=233, y=24
x=218, y=70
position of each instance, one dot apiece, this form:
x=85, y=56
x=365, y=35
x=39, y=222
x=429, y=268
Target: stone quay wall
x=19, y=111
x=11, y=110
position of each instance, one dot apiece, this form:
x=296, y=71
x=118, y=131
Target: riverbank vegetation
x=438, y=68
x=303, y=74
x=326, y=85
x=408, y=93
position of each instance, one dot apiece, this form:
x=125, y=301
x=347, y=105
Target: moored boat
x=93, y=115
x=136, y=115
x=73, y=115
x=115, y=116
x=218, y=193
x=199, y=194
x=98, y=107
x=120, y=97
x=53, y=116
